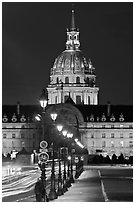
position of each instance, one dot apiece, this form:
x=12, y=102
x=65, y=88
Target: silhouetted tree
x=121, y=159
x=95, y=159
x=131, y=160
x=114, y=159
x=107, y=160
x=100, y=159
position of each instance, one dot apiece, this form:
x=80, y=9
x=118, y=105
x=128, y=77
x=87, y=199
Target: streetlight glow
x=79, y=143
x=69, y=135
x=38, y=117
x=64, y=132
x=54, y=116
x=43, y=99
x=59, y=127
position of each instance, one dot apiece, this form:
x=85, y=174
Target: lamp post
x=70, y=136
x=43, y=102
x=52, y=193
x=64, y=132
x=60, y=189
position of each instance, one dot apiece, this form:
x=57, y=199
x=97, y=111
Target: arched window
x=57, y=80
x=78, y=80
x=65, y=98
x=78, y=99
x=88, y=100
x=56, y=98
x=66, y=80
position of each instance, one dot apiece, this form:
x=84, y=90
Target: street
x=116, y=183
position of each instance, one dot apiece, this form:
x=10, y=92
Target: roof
x=89, y=112
x=23, y=152
x=100, y=111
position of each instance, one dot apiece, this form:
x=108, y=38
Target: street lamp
x=52, y=193
x=70, y=136
x=43, y=102
x=43, y=99
x=60, y=190
x=64, y=132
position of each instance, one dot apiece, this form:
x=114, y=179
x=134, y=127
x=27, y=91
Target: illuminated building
x=104, y=129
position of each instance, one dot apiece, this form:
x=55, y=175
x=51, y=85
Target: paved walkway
x=87, y=188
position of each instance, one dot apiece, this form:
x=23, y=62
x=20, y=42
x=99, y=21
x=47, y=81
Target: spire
x=73, y=21
x=72, y=35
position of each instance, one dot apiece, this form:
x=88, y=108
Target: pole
x=43, y=178
x=60, y=190
x=43, y=167
x=43, y=119
x=71, y=176
x=52, y=193
x=68, y=174
x=64, y=176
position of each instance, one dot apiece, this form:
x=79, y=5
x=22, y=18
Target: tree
x=107, y=160
x=131, y=160
x=100, y=159
x=121, y=159
x=114, y=159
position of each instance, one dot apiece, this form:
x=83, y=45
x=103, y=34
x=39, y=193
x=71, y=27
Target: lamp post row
x=62, y=183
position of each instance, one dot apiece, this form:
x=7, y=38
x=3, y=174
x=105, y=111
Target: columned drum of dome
x=73, y=73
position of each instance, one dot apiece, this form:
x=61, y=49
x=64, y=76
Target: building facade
x=73, y=72
x=102, y=129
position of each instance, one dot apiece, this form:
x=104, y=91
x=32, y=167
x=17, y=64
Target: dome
x=72, y=61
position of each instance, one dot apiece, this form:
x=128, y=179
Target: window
x=57, y=80
x=78, y=99
x=55, y=99
x=131, y=126
x=130, y=135
x=92, y=135
x=22, y=135
x=112, y=143
x=4, y=135
x=103, y=135
x=13, y=146
x=4, y=144
x=92, y=143
x=112, y=135
x=66, y=80
x=65, y=98
x=121, y=143
x=78, y=80
x=112, y=126
x=103, y=143
x=130, y=144
x=88, y=100
x=13, y=135
x=121, y=135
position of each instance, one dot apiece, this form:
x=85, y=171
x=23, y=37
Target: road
x=116, y=183
x=18, y=186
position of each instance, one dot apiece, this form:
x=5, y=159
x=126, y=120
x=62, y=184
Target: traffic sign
x=43, y=144
x=43, y=157
x=76, y=159
x=43, y=150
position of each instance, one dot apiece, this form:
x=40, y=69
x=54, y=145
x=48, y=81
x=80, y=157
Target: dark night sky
x=34, y=34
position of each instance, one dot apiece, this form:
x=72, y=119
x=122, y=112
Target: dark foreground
x=96, y=184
